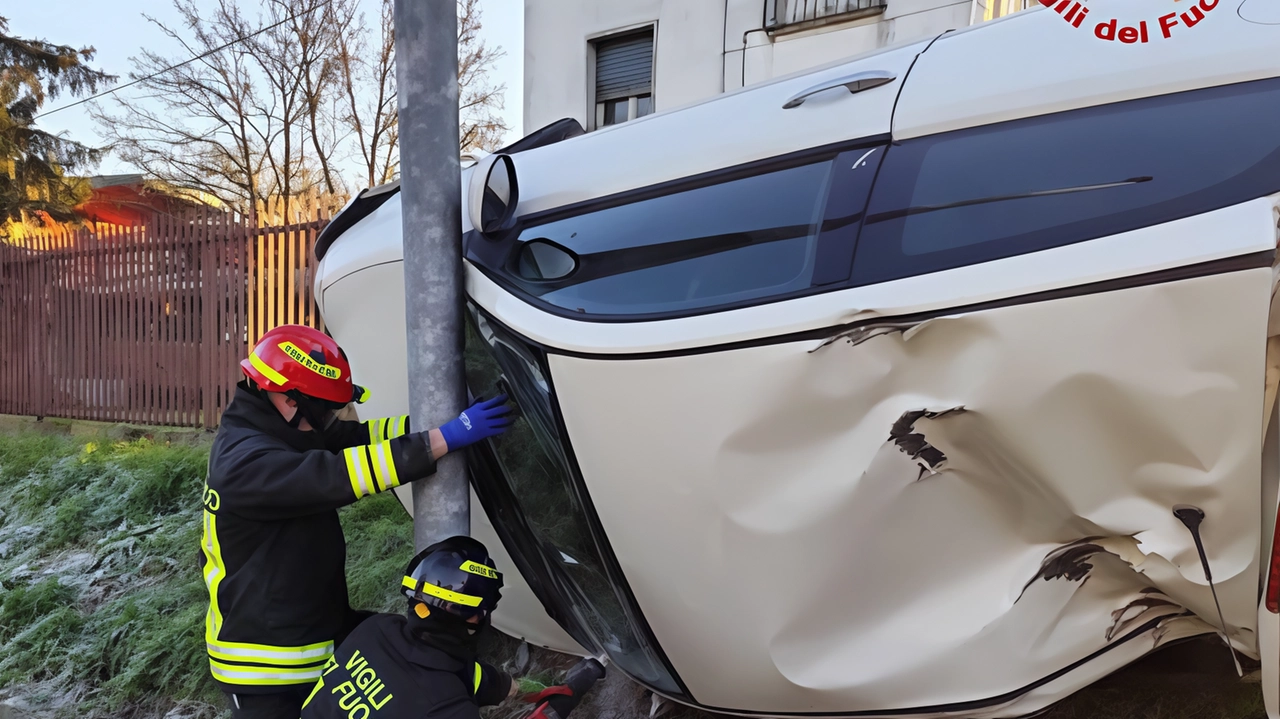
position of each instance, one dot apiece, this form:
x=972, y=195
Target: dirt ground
x=1191, y=680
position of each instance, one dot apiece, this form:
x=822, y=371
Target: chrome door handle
x=855, y=83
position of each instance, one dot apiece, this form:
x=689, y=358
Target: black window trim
x=618, y=578
x=1208, y=268
x=493, y=255
x=1102, y=108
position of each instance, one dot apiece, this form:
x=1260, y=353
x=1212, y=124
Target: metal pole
x=431, y=197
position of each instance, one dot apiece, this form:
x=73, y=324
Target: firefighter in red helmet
x=274, y=554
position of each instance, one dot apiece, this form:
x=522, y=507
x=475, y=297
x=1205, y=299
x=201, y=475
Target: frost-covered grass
x=101, y=597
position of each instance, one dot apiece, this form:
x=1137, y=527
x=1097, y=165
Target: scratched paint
x=835, y=536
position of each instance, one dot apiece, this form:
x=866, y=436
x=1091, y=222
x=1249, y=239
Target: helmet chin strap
x=317, y=415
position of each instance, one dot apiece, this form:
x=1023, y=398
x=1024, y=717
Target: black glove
x=495, y=686
x=556, y=702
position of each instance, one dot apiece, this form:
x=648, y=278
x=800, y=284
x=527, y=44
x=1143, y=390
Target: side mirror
x=492, y=194
x=542, y=260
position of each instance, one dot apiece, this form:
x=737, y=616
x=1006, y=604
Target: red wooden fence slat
x=147, y=323
x=151, y=273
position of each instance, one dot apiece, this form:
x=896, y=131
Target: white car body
x=934, y=489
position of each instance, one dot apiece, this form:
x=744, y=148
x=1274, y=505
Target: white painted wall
x=700, y=47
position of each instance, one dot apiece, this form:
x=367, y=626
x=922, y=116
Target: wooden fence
x=146, y=324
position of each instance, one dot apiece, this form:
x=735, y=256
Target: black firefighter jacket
x=382, y=672
x=273, y=551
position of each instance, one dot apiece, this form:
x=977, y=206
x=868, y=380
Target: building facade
x=608, y=61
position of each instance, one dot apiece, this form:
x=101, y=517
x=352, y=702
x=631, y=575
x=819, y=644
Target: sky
x=118, y=31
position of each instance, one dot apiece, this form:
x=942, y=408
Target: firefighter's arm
x=493, y=685
x=483, y=419
x=558, y=701
x=342, y=433
x=266, y=479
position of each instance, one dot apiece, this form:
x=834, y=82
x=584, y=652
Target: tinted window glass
x=737, y=241
x=976, y=195
x=551, y=529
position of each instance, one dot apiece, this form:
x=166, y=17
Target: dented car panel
x=893, y=553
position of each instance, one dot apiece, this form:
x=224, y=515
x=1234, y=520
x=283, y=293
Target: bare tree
x=298, y=58
x=320, y=38
x=275, y=102
x=203, y=125
x=479, y=127
x=369, y=98
x=277, y=57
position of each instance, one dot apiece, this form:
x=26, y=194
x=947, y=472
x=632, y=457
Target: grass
x=101, y=597
x=103, y=600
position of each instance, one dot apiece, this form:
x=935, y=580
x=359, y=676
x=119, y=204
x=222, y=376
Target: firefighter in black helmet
x=424, y=665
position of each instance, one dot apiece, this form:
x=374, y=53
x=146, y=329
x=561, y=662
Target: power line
x=158, y=73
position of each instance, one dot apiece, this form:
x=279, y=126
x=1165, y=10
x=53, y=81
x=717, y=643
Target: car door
x=948, y=484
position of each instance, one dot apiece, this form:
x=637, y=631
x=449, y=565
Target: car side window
x=739, y=241
x=980, y=194
x=710, y=245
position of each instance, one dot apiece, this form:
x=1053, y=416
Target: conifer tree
x=34, y=164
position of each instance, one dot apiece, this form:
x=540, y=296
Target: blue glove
x=482, y=420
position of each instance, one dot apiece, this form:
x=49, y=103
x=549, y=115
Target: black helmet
x=456, y=575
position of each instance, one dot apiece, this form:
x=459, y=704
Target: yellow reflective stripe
x=263, y=676
x=480, y=569
x=214, y=572
x=399, y=425
x=266, y=654
x=384, y=465
x=359, y=471
x=465, y=600
x=476, y=689
x=387, y=428
x=266, y=369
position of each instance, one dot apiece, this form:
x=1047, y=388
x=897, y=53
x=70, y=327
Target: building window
x=624, y=77
x=803, y=14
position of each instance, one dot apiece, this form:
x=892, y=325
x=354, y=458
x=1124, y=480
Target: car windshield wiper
x=921, y=209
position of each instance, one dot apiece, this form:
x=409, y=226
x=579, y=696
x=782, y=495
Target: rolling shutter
x=624, y=66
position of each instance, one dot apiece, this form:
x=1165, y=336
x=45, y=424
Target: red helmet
x=296, y=357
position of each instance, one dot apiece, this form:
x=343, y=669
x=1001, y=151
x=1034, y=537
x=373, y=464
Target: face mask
x=315, y=412
x=449, y=633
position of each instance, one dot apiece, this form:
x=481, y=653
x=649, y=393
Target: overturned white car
x=874, y=391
